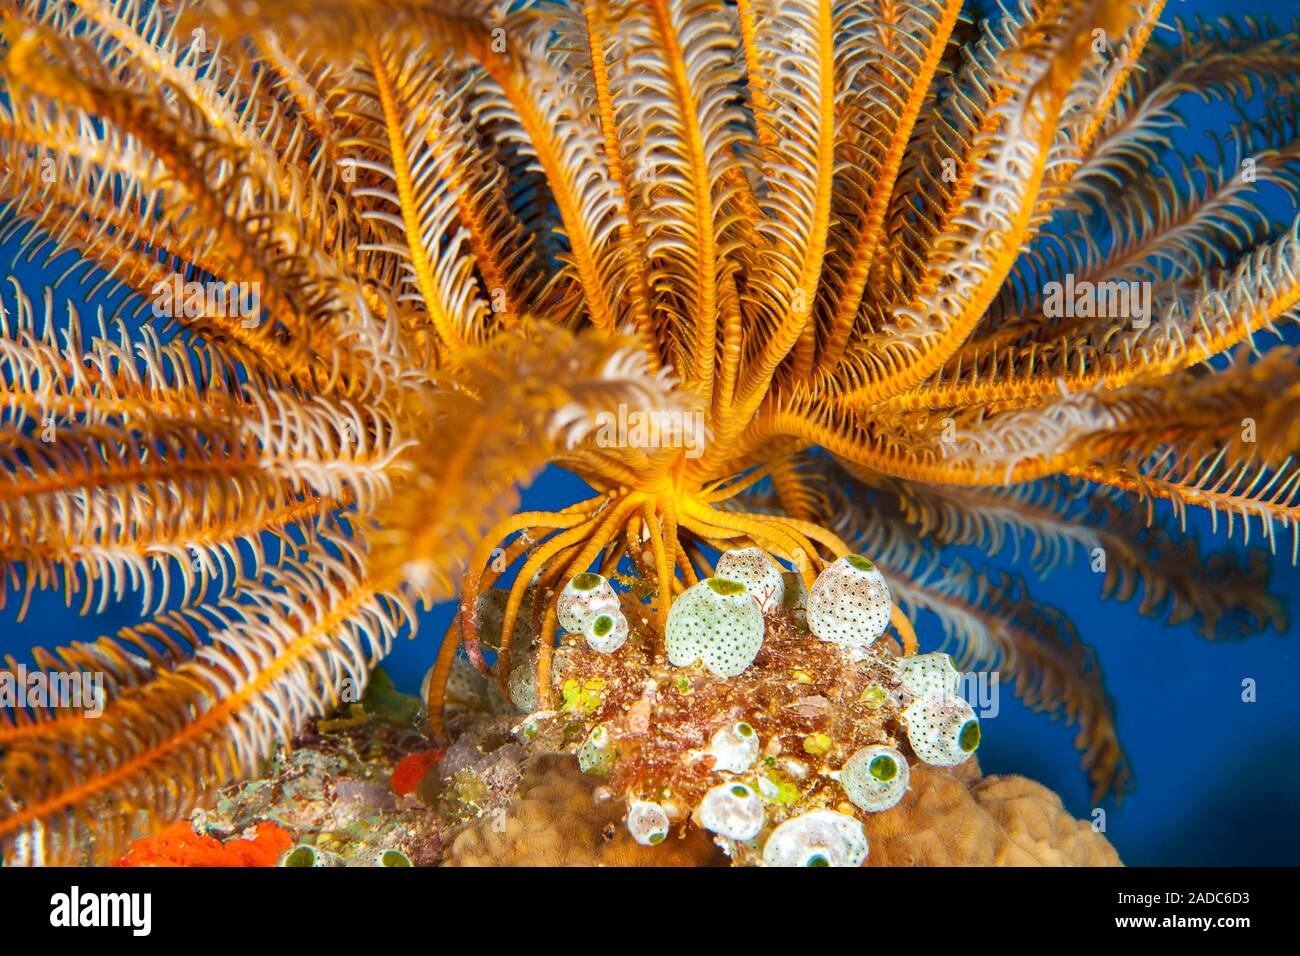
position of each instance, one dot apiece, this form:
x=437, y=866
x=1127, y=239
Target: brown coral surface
x=555, y=820
x=949, y=818
x=961, y=819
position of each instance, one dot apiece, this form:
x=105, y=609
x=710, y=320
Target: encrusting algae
x=780, y=281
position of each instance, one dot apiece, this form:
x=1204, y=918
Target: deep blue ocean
x=1217, y=778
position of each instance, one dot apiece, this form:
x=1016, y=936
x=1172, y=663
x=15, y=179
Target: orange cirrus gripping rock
x=179, y=845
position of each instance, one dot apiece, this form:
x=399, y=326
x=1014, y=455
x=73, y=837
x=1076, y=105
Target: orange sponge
x=180, y=845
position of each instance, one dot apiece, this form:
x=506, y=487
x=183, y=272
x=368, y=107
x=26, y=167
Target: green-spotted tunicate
x=522, y=683
x=606, y=633
x=392, y=858
x=306, y=855
x=718, y=623
x=875, y=778
x=929, y=675
x=849, y=604
x=943, y=731
x=647, y=822
x=732, y=810
x=734, y=748
x=490, y=609
x=584, y=597
x=796, y=593
x=758, y=572
x=465, y=685
x=817, y=838
x=596, y=754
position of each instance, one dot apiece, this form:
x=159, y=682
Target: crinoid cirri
x=816, y=278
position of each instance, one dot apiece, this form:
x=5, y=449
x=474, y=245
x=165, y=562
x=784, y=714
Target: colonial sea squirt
x=479, y=235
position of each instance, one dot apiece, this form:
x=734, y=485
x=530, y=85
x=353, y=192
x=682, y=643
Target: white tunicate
x=943, y=731
x=465, y=686
x=647, y=822
x=875, y=778
x=425, y=683
x=734, y=748
x=596, y=754
x=497, y=701
x=817, y=838
x=584, y=597
x=718, y=623
x=758, y=572
x=305, y=854
x=606, y=633
x=490, y=614
x=522, y=683
x=768, y=788
x=929, y=675
x=733, y=811
x=796, y=593
x=849, y=604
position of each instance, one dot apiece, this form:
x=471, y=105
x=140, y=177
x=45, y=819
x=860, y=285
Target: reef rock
x=954, y=817
x=557, y=820
x=948, y=818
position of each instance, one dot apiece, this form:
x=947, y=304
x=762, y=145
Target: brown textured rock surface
x=555, y=821
x=949, y=818
x=957, y=818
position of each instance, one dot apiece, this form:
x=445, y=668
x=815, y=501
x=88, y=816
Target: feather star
x=814, y=276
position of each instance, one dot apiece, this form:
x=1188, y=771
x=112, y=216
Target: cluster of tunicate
x=717, y=623
x=733, y=811
x=875, y=778
x=849, y=604
x=757, y=572
x=734, y=748
x=589, y=606
x=817, y=838
x=943, y=730
x=306, y=855
x=775, y=804
x=596, y=754
x=647, y=822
